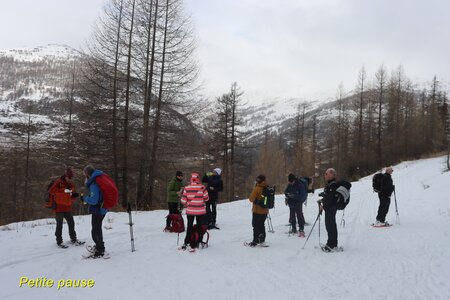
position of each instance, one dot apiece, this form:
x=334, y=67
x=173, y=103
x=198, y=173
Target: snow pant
x=190, y=223
x=330, y=225
x=296, y=210
x=383, y=208
x=173, y=209
x=97, y=233
x=259, y=230
x=211, y=211
x=59, y=224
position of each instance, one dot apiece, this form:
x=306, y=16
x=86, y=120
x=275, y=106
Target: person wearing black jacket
x=214, y=185
x=328, y=204
x=296, y=193
x=387, y=187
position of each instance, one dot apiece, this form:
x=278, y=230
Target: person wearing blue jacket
x=95, y=201
x=296, y=193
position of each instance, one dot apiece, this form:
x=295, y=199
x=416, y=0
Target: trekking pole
x=131, y=226
x=397, y=221
x=343, y=220
x=178, y=238
x=312, y=228
x=269, y=223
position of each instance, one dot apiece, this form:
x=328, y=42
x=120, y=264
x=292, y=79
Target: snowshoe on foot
x=301, y=233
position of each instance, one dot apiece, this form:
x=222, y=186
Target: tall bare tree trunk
x=150, y=60
x=126, y=121
x=114, y=116
x=157, y=125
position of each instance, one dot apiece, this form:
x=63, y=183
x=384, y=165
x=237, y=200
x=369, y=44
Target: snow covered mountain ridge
x=406, y=261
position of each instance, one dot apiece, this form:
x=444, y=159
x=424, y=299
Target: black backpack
x=267, y=197
x=377, y=182
x=343, y=189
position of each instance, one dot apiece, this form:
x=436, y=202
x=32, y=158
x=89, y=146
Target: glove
x=322, y=194
x=82, y=197
x=286, y=201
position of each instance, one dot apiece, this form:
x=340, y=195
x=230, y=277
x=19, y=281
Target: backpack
x=197, y=232
x=305, y=181
x=177, y=223
x=110, y=193
x=309, y=182
x=377, y=182
x=49, y=201
x=267, y=199
x=343, y=190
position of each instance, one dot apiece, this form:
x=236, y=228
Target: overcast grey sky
x=286, y=48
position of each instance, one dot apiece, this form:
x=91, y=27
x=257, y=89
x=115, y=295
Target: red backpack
x=177, y=223
x=109, y=190
x=198, y=232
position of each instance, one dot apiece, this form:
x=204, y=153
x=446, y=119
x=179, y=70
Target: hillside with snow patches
x=407, y=261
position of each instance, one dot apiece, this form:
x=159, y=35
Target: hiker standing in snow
x=61, y=193
x=296, y=193
x=259, y=213
x=328, y=204
x=95, y=201
x=387, y=187
x=194, y=198
x=214, y=185
x=174, y=190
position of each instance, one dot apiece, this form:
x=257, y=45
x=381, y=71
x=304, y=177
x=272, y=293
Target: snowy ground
x=410, y=260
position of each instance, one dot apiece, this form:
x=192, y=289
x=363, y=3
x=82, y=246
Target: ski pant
x=59, y=225
x=211, y=211
x=293, y=211
x=97, y=233
x=190, y=223
x=173, y=209
x=330, y=225
x=259, y=230
x=383, y=208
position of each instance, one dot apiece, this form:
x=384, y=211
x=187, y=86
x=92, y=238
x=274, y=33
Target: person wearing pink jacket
x=193, y=199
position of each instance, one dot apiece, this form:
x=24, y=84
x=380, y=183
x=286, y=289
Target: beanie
x=218, y=171
x=69, y=173
x=291, y=177
x=179, y=173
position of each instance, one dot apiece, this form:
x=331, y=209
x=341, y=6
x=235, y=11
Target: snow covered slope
x=407, y=261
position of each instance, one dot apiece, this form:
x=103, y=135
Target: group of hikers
x=199, y=197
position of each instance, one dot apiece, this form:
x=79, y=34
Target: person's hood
x=94, y=175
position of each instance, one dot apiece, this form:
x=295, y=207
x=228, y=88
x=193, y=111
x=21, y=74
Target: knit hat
x=179, y=173
x=218, y=171
x=69, y=173
x=195, y=178
x=291, y=177
x=260, y=178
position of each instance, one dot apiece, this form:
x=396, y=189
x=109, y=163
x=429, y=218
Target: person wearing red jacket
x=61, y=193
x=194, y=197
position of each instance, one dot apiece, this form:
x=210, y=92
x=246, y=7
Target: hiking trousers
x=330, y=225
x=60, y=216
x=297, y=210
x=383, y=209
x=259, y=230
x=97, y=233
x=173, y=209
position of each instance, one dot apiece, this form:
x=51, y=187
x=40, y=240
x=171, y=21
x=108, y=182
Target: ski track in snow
x=406, y=261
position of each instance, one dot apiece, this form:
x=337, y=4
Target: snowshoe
x=96, y=255
x=381, y=224
x=63, y=246
x=77, y=242
x=301, y=233
x=328, y=249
